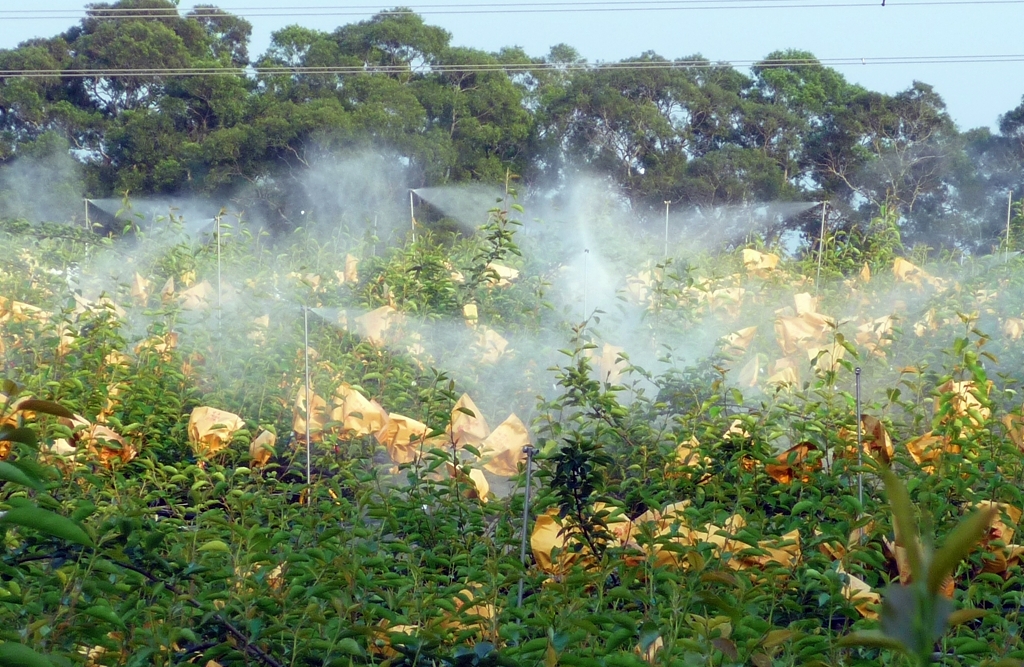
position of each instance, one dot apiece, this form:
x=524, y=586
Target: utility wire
x=352, y=70
x=601, y=6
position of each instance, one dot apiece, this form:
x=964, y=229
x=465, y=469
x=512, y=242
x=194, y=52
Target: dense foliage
x=708, y=509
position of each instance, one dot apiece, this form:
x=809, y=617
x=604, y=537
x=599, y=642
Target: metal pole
x=586, y=254
x=309, y=449
x=412, y=217
x=526, y=520
x=88, y=226
x=860, y=444
x=666, y=227
x=821, y=245
x=1009, y=212
x=219, y=299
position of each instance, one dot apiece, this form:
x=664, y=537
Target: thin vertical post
x=860, y=444
x=1009, y=213
x=821, y=245
x=219, y=297
x=88, y=225
x=309, y=412
x=666, y=227
x=526, y=520
x=586, y=255
x=373, y=249
x=412, y=216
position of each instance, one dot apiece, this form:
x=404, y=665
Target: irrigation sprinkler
x=220, y=302
x=88, y=226
x=412, y=216
x=529, y=451
x=666, y=227
x=860, y=447
x=821, y=246
x=1009, y=213
x=305, y=353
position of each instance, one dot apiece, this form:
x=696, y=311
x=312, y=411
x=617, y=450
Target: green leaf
x=23, y=435
x=964, y=615
x=47, y=522
x=104, y=613
x=958, y=545
x=870, y=639
x=10, y=473
x=215, y=545
x=13, y=654
x=903, y=514
x=46, y=407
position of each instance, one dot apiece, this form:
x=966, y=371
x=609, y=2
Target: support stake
x=860, y=447
x=586, y=256
x=666, y=227
x=821, y=246
x=412, y=216
x=529, y=451
x=309, y=448
x=1009, y=213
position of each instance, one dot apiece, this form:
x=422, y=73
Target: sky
x=733, y=31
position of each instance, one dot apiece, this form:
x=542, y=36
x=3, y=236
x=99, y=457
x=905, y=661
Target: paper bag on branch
x=317, y=416
x=210, y=430
x=963, y=402
x=404, y=438
x=503, y=276
x=874, y=439
x=490, y=345
x=793, y=464
x=609, y=364
x=546, y=537
x=351, y=269
x=475, y=478
x=140, y=289
x=467, y=429
x=865, y=600
x=358, y=415
x=261, y=450
x=502, y=450
x=737, y=343
x=928, y=448
x=167, y=291
x=374, y=325
x=198, y=297
x=759, y=263
x=108, y=446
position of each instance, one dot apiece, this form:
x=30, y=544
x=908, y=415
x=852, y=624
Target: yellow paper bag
x=403, y=437
x=465, y=429
x=262, y=448
x=210, y=430
x=358, y=415
x=502, y=450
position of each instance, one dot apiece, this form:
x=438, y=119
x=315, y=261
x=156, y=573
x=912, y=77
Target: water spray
x=666, y=227
x=860, y=447
x=309, y=449
x=821, y=246
x=529, y=451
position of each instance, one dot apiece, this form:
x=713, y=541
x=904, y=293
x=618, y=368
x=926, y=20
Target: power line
x=352, y=70
x=567, y=6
